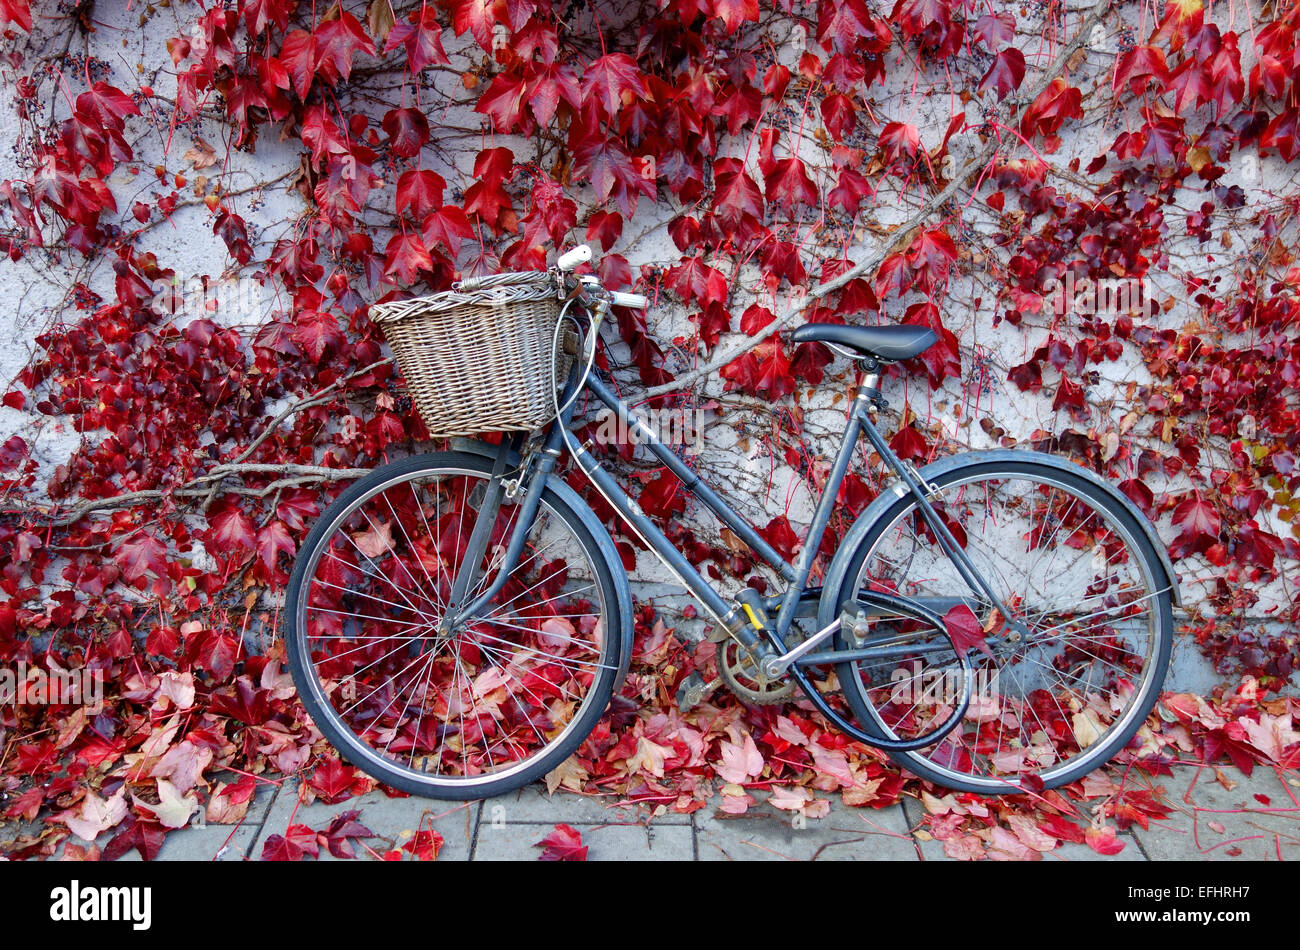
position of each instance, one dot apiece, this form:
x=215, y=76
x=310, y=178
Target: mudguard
x=622, y=589
x=829, y=610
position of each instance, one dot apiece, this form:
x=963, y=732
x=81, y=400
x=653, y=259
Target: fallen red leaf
x=562, y=844
x=965, y=630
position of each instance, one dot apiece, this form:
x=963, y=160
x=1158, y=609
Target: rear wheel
x=470, y=711
x=1076, y=570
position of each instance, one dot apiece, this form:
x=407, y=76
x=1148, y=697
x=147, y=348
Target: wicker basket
x=479, y=361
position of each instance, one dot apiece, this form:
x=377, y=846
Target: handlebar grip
x=628, y=300
x=579, y=255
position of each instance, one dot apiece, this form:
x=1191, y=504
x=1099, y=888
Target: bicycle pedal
x=693, y=690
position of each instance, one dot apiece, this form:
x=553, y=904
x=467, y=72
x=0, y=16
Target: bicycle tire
x=1126, y=551
x=516, y=650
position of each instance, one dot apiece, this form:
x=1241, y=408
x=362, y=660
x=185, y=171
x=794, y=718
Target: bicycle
x=996, y=621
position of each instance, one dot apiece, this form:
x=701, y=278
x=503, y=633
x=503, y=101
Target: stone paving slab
x=607, y=842
x=1257, y=818
x=932, y=850
x=393, y=820
x=533, y=804
x=212, y=842
x=1211, y=822
x=767, y=834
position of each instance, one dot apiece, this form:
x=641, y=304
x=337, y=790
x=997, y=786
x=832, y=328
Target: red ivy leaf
x=141, y=555
x=1005, y=74
x=272, y=540
x=965, y=630
x=605, y=226
x=1103, y=840
x=424, y=845
x=108, y=104
x=477, y=17
x=841, y=23
x=755, y=318
x=231, y=528
x=341, y=830
x=735, y=13
x=218, y=654
x=333, y=781
x=781, y=536
x=930, y=256
x=763, y=371
x=1199, y=519
x=562, y=844
x=1139, y=66
x=447, y=226
x=419, y=191
x=899, y=139
x=406, y=256
x=408, y=131
x=664, y=496
x=609, y=165
x=294, y=846
x=16, y=11
x=736, y=195
x=422, y=37
x=995, y=29
x=787, y=183
x=322, y=135
x=337, y=42
x=1058, y=102
x=298, y=55
x=317, y=333
x=609, y=78
x=694, y=280
x=144, y=836
x=259, y=14
x=775, y=81
x=839, y=115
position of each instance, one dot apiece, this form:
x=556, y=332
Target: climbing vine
x=1093, y=206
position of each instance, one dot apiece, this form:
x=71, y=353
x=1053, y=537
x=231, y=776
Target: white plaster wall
x=36, y=287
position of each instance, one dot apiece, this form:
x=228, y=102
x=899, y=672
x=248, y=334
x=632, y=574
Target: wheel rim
x=1076, y=576
x=461, y=707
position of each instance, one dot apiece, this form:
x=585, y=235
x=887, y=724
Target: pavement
x=1217, y=815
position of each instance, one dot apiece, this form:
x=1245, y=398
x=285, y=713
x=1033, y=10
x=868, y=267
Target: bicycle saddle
x=884, y=343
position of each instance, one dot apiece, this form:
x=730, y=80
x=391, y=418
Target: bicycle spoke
x=400, y=590
x=1073, y=576
x=348, y=590
x=410, y=546
x=560, y=661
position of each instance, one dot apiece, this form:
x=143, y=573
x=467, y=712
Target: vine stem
x=200, y=487
x=872, y=262
x=314, y=399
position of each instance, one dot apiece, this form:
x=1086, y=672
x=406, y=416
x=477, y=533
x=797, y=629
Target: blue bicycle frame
x=746, y=618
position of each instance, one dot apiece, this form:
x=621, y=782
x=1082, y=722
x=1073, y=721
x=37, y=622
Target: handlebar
x=567, y=262
x=590, y=283
x=628, y=300
x=579, y=255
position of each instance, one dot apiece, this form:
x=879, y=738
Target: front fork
x=533, y=472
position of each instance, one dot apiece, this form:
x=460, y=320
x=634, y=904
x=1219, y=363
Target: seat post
x=869, y=381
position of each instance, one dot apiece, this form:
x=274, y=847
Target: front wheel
x=461, y=712
x=1065, y=688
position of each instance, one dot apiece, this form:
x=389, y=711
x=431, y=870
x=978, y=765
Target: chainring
x=742, y=676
